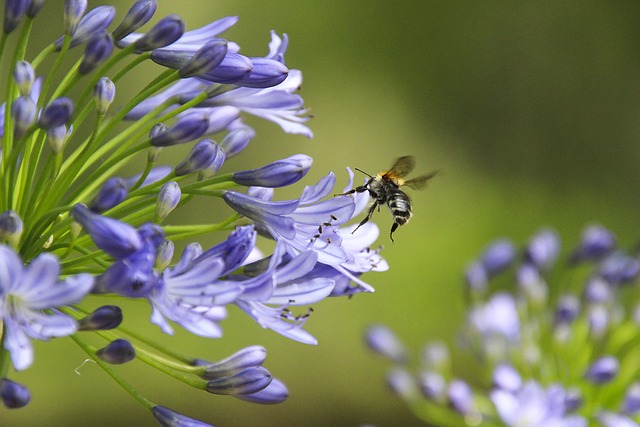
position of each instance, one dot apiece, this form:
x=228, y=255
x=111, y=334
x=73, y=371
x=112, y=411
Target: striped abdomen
x=400, y=206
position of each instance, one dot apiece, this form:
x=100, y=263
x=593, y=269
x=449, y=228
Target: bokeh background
x=530, y=110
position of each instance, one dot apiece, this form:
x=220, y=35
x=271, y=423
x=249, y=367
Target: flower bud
x=631, y=404
x=14, y=11
x=103, y=93
x=277, y=174
x=164, y=255
x=188, y=127
x=505, y=377
x=112, y=193
x=168, y=418
x=205, y=59
x=138, y=15
x=166, y=31
x=13, y=395
x=498, y=257
x=73, y=12
x=275, y=392
x=57, y=113
x=98, y=49
x=385, y=342
x=247, y=381
x=596, y=242
x=476, y=278
x=619, y=268
x=460, y=397
x=201, y=156
x=401, y=383
x=118, y=351
x=543, y=249
x=232, y=68
x=603, y=370
x=432, y=385
x=34, y=7
x=168, y=199
x=102, y=318
x=24, y=76
x=10, y=227
x=264, y=73
x=56, y=137
x=23, y=111
x=237, y=140
x=248, y=357
x=94, y=22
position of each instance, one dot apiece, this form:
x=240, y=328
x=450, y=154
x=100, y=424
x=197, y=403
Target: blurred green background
x=531, y=111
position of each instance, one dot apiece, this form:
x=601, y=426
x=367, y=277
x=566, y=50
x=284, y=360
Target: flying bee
x=385, y=188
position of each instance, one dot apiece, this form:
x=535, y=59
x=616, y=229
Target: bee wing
x=420, y=182
x=402, y=166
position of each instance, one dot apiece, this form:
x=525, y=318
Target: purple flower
x=498, y=317
x=95, y=21
x=383, y=341
x=139, y=14
x=188, y=127
x=276, y=174
x=596, y=242
x=57, y=113
x=166, y=31
x=102, y=318
x=98, y=50
x=603, y=370
x=28, y=300
x=543, y=249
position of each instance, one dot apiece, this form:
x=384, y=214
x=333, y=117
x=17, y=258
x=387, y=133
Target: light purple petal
x=303, y=293
x=10, y=270
x=17, y=344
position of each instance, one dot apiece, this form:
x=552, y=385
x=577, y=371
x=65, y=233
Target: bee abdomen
x=400, y=208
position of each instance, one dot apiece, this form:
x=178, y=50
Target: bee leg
x=367, y=218
x=360, y=189
x=394, y=227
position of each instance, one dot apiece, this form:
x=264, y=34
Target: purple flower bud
x=267, y=213
x=531, y=283
x=475, y=276
x=57, y=113
x=385, y=342
x=166, y=31
x=138, y=15
x=573, y=400
x=118, y=351
x=275, y=392
x=96, y=21
x=164, y=254
x=168, y=418
x=13, y=395
x=168, y=199
x=237, y=140
x=116, y=238
x=99, y=49
x=103, y=93
x=277, y=174
x=401, y=383
x=432, y=385
x=157, y=130
x=505, y=377
x=112, y=193
x=14, y=11
x=619, y=268
x=102, y=318
x=247, y=381
x=543, y=249
x=188, y=127
x=567, y=309
x=201, y=156
x=232, y=68
x=56, y=137
x=631, y=404
x=265, y=73
x=498, y=256
x=34, y=8
x=24, y=75
x=205, y=59
x=23, y=111
x=460, y=397
x=156, y=174
x=248, y=357
x=435, y=356
x=218, y=160
x=596, y=242
x=10, y=227
x=597, y=291
x=603, y=370
x=73, y=12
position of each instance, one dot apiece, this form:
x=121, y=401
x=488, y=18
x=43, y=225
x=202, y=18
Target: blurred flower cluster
x=74, y=223
x=545, y=342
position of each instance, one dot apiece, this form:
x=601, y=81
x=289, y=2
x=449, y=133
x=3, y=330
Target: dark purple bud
x=103, y=93
x=34, y=8
x=14, y=11
x=23, y=111
x=277, y=174
x=460, y=397
x=385, y=342
x=116, y=238
x=157, y=130
x=401, y=383
x=247, y=381
x=265, y=72
x=603, y=370
x=216, y=164
x=112, y=193
x=168, y=199
x=619, y=268
x=248, y=357
x=275, y=392
x=232, y=68
x=102, y=318
x=505, y=377
x=205, y=59
x=98, y=49
x=94, y=22
x=188, y=127
x=567, y=309
x=168, y=418
x=13, y=395
x=24, y=75
x=117, y=352
x=543, y=249
x=56, y=137
x=631, y=403
x=237, y=140
x=73, y=12
x=596, y=242
x=201, y=156
x=166, y=31
x=138, y=15
x=573, y=400
x=432, y=385
x=10, y=227
x=57, y=113
x=498, y=256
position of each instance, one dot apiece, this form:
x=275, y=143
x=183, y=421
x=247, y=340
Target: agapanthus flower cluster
x=547, y=341
x=78, y=218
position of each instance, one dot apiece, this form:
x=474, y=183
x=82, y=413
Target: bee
x=385, y=188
